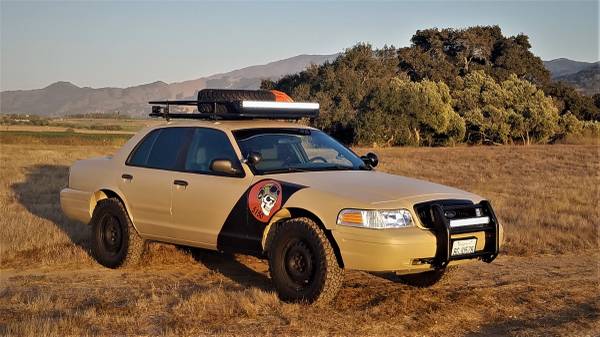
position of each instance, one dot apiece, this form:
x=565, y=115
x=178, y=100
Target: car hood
x=372, y=187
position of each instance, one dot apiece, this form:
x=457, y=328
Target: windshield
x=296, y=150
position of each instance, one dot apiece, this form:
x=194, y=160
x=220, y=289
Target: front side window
x=206, y=146
x=293, y=150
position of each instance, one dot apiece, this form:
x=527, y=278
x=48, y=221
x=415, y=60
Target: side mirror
x=370, y=159
x=253, y=158
x=225, y=166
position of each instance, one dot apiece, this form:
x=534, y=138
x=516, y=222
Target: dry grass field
x=545, y=283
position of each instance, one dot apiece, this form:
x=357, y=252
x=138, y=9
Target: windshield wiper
x=333, y=167
x=286, y=170
x=314, y=169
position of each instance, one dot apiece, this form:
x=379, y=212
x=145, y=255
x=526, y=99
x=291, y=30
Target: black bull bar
x=444, y=231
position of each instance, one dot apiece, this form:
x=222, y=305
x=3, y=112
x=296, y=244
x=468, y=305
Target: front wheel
x=115, y=242
x=302, y=263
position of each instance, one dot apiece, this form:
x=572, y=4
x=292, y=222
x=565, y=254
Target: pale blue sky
x=129, y=43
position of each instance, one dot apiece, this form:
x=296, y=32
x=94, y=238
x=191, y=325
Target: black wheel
x=223, y=95
x=302, y=263
x=425, y=279
x=115, y=242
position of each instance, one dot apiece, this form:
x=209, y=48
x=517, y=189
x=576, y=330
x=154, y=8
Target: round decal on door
x=264, y=199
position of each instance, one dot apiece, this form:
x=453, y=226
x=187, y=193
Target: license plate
x=462, y=247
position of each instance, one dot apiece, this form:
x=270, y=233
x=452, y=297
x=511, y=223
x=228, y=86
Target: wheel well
x=300, y=213
x=104, y=194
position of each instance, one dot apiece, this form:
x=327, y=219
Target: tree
x=449, y=83
x=341, y=86
x=442, y=55
x=570, y=101
x=408, y=112
x=480, y=100
x=568, y=124
x=596, y=99
x=502, y=112
x=512, y=56
x=535, y=116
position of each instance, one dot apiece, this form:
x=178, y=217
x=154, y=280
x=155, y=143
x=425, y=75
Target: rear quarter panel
x=88, y=179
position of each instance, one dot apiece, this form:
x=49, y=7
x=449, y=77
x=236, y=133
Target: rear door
x=147, y=179
x=203, y=199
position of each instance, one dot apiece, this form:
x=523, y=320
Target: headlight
x=375, y=219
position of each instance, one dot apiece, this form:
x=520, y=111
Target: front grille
x=425, y=215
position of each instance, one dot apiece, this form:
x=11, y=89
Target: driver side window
x=206, y=146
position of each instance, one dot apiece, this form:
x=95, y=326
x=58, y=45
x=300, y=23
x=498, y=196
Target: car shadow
x=390, y=276
x=229, y=266
x=39, y=193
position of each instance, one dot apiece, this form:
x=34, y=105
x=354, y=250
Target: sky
x=120, y=44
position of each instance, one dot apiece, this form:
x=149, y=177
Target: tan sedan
x=278, y=190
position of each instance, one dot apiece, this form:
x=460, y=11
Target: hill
x=62, y=98
x=587, y=81
x=563, y=66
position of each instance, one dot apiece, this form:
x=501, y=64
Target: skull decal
x=268, y=197
x=264, y=199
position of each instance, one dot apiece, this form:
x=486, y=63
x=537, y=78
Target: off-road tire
x=325, y=276
x=212, y=95
x=426, y=279
x=115, y=242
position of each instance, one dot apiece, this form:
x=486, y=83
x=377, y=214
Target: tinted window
x=207, y=145
x=142, y=151
x=166, y=149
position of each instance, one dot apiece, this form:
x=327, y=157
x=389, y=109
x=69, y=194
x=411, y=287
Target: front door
x=203, y=199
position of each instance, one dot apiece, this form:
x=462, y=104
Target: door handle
x=180, y=183
x=126, y=176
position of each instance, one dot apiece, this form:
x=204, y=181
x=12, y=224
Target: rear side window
x=142, y=151
x=161, y=149
x=167, y=147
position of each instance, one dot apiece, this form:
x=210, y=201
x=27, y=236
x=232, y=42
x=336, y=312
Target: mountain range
x=62, y=98
x=584, y=76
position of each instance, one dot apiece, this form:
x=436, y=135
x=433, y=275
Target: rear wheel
x=302, y=263
x=115, y=242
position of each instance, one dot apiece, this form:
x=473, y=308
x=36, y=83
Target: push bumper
x=446, y=231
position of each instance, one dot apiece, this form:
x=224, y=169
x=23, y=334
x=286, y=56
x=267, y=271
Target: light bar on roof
x=279, y=105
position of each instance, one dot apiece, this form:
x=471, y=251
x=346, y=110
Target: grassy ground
x=63, y=138
x=84, y=125
x=546, y=282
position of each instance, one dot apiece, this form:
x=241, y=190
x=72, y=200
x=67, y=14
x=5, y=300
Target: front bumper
x=416, y=249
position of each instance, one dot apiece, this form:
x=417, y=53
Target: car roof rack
x=225, y=104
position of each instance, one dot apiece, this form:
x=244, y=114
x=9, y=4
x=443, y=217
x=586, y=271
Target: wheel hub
x=299, y=263
x=111, y=233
